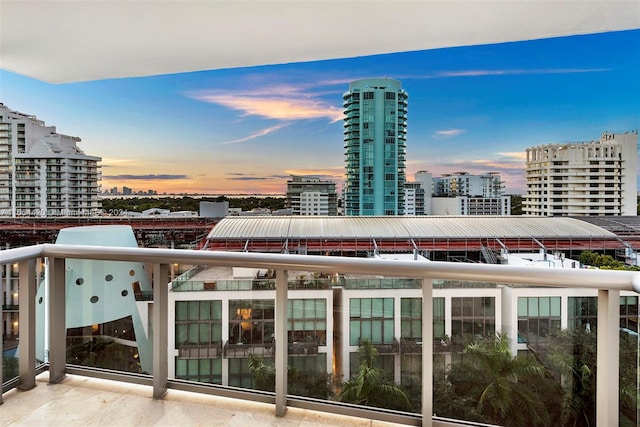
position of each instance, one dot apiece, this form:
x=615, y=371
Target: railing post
x=608, y=360
x=427, y=352
x=27, y=324
x=160, y=329
x=57, y=324
x=282, y=342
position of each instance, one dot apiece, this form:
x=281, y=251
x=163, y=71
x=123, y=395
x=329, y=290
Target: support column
x=56, y=324
x=27, y=324
x=427, y=352
x=608, y=359
x=160, y=329
x=282, y=343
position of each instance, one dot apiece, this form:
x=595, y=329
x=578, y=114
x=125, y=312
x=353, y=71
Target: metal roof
x=402, y=227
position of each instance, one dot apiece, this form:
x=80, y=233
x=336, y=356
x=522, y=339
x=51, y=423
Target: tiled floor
x=83, y=401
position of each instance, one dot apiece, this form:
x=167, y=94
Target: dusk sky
x=246, y=130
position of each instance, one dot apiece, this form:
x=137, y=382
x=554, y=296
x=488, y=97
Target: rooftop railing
x=607, y=283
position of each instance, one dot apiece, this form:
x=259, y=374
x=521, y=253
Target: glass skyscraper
x=375, y=142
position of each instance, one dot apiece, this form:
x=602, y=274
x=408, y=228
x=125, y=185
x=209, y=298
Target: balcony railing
x=212, y=351
x=607, y=283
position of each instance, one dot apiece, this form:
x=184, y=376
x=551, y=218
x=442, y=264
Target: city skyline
x=246, y=130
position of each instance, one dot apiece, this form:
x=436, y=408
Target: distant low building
x=467, y=205
x=312, y=195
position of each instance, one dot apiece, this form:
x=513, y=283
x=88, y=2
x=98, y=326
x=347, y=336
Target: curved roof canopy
x=62, y=41
x=363, y=227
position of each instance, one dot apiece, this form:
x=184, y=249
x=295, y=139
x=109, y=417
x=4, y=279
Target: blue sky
x=473, y=109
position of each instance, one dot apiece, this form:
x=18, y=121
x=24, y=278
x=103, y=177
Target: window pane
x=365, y=308
x=405, y=307
x=522, y=306
x=298, y=309
x=555, y=306
x=376, y=307
x=310, y=308
x=204, y=333
x=181, y=310
x=545, y=309
x=376, y=331
x=365, y=327
x=205, y=310
x=216, y=310
x=194, y=308
x=388, y=307
x=193, y=332
x=354, y=307
x=533, y=307
x=181, y=334
x=388, y=331
x=354, y=332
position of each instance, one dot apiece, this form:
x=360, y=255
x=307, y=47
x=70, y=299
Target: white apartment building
x=414, y=198
x=460, y=193
x=44, y=173
x=465, y=184
x=594, y=178
x=467, y=205
x=312, y=195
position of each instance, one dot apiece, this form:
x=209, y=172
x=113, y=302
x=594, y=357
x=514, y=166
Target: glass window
x=533, y=322
x=472, y=317
x=198, y=323
x=582, y=312
x=251, y=321
x=371, y=319
x=307, y=320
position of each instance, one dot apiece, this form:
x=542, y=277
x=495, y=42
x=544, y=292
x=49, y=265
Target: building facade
x=375, y=140
x=44, y=173
x=467, y=205
x=595, y=178
x=311, y=195
x=414, y=199
x=458, y=193
x=465, y=184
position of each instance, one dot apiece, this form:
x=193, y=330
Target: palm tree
x=308, y=384
x=371, y=387
x=508, y=390
x=264, y=375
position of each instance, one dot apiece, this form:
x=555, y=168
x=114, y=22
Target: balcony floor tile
x=83, y=401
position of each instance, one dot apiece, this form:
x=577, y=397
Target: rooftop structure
x=441, y=237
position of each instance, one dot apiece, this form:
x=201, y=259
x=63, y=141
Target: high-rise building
x=594, y=178
x=375, y=141
x=311, y=195
x=44, y=173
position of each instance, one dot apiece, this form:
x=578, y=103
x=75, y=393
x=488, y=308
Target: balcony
x=212, y=351
x=88, y=402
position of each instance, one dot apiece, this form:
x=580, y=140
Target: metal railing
x=608, y=283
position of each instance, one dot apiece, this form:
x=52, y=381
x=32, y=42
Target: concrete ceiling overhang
x=70, y=41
